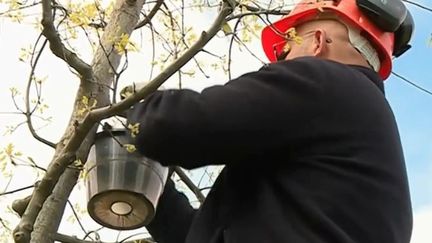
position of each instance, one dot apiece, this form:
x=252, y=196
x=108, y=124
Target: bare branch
x=189, y=183
x=123, y=18
x=51, y=214
x=230, y=47
x=67, y=155
x=69, y=239
x=117, y=77
x=16, y=190
x=58, y=48
x=259, y=10
x=76, y=216
x=153, y=51
x=32, y=165
x=150, y=16
x=145, y=240
x=20, y=8
x=2, y=222
x=205, y=37
x=22, y=231
x=28, y=113
x=72, y=239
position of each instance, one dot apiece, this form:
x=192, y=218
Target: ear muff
x=388, y=15
x=403, y=35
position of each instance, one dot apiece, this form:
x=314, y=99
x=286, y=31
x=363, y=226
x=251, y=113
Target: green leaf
x=226, y=28
x=130, y=147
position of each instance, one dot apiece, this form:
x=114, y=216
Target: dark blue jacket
x=311, y=151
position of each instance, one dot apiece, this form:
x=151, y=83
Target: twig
x=153, y=51
x=117, y=77
x=69, y=239
x=231, y=45
x=28, y=113
x=32, y=163
x=17, y=190
x=152, y=86
x=262, y=12
x=76, y=216
x=73, y=239
x=248, y=50
x=95, y=232
x=150, y=16
x=5, y=225
x=33, y=166
x=14, y=128
x=20, y=8
x=145, y=240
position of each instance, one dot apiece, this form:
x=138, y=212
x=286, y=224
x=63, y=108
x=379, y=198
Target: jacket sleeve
x=228, y=123
x=173, y=216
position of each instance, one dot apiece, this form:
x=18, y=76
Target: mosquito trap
x=123, y=187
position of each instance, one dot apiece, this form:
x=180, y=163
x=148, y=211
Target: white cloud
x=422, y=232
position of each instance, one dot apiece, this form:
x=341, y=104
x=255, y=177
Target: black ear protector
x=390, y=16
x=403, y=35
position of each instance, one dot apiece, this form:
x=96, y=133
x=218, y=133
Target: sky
x=412, y=109
x=411, y=106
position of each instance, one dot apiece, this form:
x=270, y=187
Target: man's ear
x=319, y=43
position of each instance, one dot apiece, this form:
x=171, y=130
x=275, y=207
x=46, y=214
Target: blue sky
x=413, y=108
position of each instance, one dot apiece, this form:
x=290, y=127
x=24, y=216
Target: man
x=310, y=146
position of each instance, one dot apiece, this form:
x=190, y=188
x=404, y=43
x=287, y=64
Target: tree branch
x=56, y=45
x=150, y=16
x=51, y=213
x=67, y=154
x=77, y=217
x=20, y=205
x=72, y=239
x=189, y=183
x=152, y=86
x=16, y=190
x=28, y=113
x=123, y=18
x=259, y=10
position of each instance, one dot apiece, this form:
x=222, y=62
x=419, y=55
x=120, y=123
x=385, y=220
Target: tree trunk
x=123, y=20
x=51, y=214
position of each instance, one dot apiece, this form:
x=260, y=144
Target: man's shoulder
x=308, y=68
x=327, y=70
x=311, y=62
x=307, y=65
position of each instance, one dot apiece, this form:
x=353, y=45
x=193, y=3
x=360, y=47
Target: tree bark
x=51, y=214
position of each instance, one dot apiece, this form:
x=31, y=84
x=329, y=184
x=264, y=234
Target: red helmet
x=357, y=13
